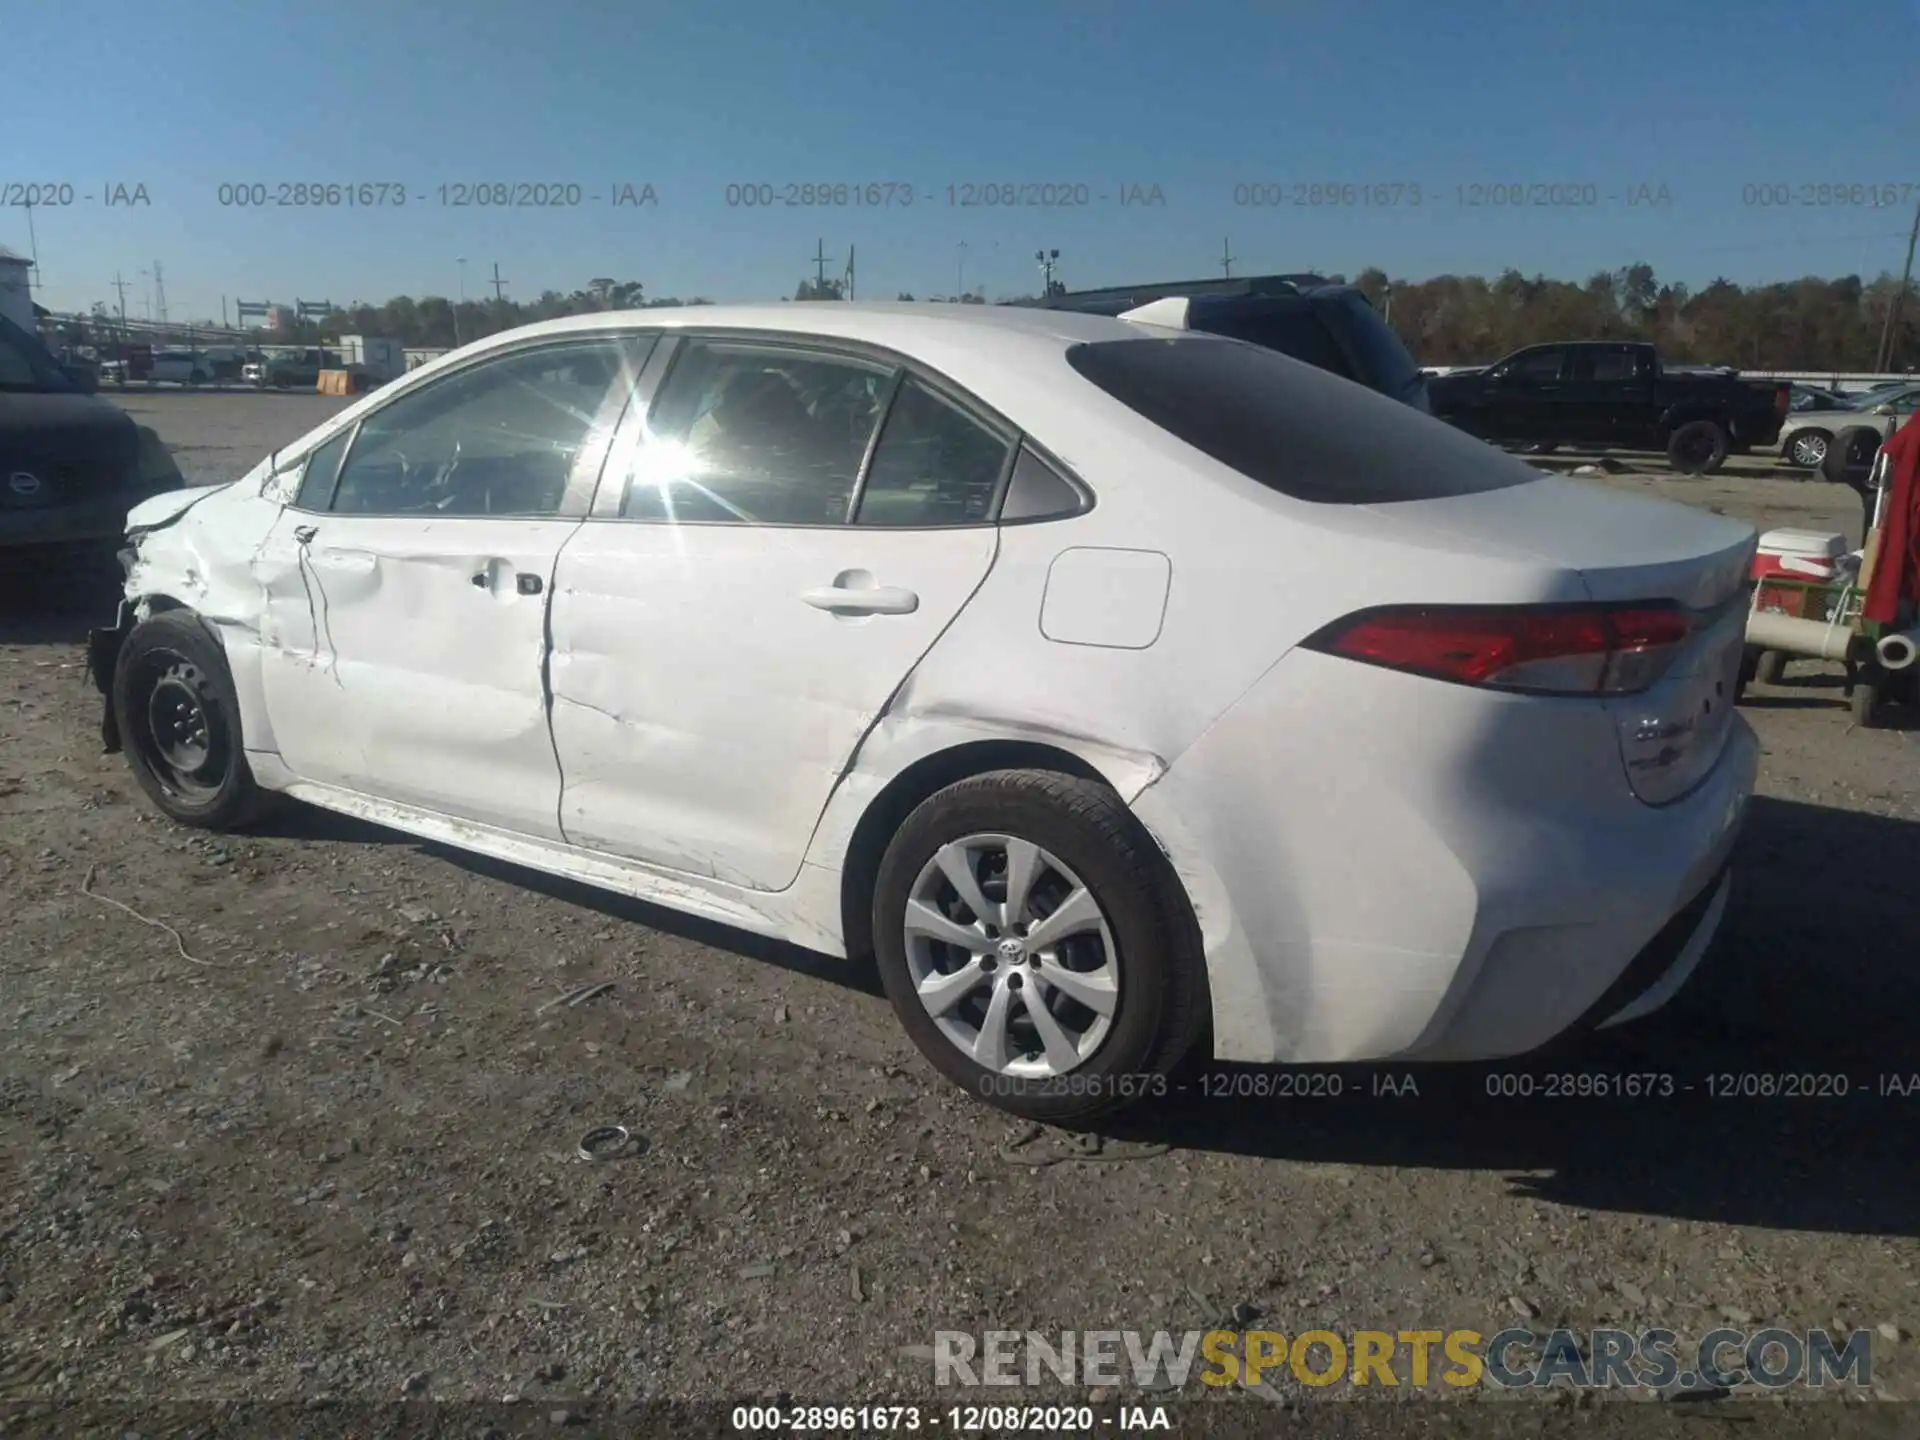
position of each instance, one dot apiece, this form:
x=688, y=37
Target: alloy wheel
x=1012, y=956
x=1809, y=450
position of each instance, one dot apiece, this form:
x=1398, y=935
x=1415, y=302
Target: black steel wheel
x=179, y=722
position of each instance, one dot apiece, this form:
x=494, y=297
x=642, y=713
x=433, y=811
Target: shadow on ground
x=1813, y=985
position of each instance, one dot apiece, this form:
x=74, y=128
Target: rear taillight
x=1541, y=650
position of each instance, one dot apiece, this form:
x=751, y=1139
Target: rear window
x=1247, y=408
x=1388, y=362
x=1292, y=330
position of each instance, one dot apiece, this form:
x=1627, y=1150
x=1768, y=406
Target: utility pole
x=159, y=294
x=499, y=285
x=120, y=286
x=820, y=268
x=1893, y=310
x=1226, y=258
x=1048, y=260
x=34, y=282
x=847, y=294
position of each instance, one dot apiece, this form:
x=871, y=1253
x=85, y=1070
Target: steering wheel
x=438, y=493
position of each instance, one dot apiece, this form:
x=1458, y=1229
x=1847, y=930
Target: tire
x=1698, y=447
x=280, y=382
x=1863, y=702
x=173, y=672
x=198, y=377
x=1149, y=944
x=1771, y=667
x=1849, y=458
x=1807, y=450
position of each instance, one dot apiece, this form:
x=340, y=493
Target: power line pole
x=820, y=268
x=848, y=295
x=499, y=285
x=120, y=286
x=34, y=282
x=1893, y=310
x=1226, y=259
x=159, y=294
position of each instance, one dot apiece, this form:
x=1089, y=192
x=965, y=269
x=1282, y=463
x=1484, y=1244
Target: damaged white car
x=1113, y=685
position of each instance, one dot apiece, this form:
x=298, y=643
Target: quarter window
x=505, y=437
x=934, y=465
x=1037, y=491
x=755, y=435
x=318, y=474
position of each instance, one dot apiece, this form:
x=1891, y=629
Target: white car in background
x=1109, y=682
x=180, y=367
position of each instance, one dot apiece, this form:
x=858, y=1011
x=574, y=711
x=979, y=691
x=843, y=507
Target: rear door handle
x=871, y=600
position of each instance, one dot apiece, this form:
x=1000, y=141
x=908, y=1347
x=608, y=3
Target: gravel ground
x=319, y=1140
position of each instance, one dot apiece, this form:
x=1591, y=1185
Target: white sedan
x=1113, y=685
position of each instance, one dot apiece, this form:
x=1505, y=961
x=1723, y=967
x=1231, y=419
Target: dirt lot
x=332, y=1153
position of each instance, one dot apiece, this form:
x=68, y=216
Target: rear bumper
x=98, y=517
x=1386, y=868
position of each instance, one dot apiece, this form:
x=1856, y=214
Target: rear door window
x=1247, y=408
x=934, y=464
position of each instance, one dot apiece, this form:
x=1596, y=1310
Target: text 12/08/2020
x=468, y=194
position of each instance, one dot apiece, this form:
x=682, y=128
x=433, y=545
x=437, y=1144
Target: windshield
x=26, y=365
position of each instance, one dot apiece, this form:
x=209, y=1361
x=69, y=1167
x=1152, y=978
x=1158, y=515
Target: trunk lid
x=1626, y=548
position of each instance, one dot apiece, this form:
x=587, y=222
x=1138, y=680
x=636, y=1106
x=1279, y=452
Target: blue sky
x=1703, y=97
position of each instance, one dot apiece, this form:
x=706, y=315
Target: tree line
x=1806, y=324
x=1811, y=323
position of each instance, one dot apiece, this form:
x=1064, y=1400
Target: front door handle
x=867, y=600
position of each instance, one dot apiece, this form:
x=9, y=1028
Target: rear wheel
x=1698, y=447
x=1771, y=667
x=1034, y=944
x=179, y=720
x=1863, y=700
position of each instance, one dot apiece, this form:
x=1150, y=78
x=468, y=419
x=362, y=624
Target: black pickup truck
x=1616, y=394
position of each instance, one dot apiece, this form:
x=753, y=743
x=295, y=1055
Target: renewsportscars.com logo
x=1511, y=1359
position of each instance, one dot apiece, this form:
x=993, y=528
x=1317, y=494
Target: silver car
x=1805, y=436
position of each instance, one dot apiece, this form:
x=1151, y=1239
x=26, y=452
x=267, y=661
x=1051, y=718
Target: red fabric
x=1896, y=573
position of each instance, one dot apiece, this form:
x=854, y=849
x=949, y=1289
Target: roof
x=1244, y=285
x=14, y=256
x=1007, y=355
x=903, y=325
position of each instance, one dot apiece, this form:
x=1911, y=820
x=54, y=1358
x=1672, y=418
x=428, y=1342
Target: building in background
x=280, y=317
x=16, y=290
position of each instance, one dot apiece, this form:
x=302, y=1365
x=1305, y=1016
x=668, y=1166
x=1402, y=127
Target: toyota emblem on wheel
x=24, y=482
